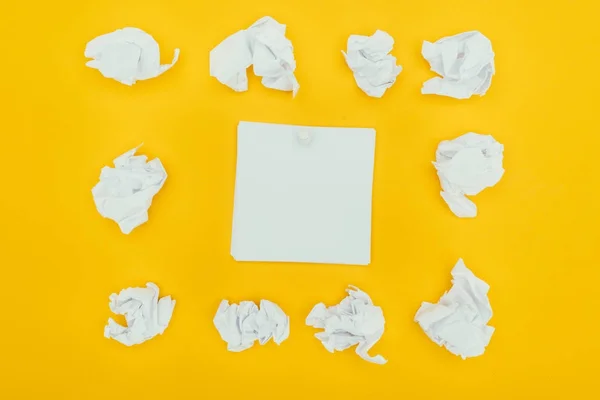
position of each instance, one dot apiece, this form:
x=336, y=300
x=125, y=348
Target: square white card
x=303, y=194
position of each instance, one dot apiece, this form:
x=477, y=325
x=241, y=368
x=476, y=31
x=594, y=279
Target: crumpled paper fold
x=127, y=55
x=146, y=315
x=466, y=166
x=241, y=325
x=124, y=193
x=465, y=62
x=265, y=47
x=458, y=321
x=374, y=69
x=355, y=321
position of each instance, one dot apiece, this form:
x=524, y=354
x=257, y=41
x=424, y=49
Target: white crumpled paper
x=124, y=193
x=374, y=69
x=264, y=46
x=241, y=325
x=466, y=63
x=466, y=166
x=146, y=315
x=355, y=321
x=459, y=319
x=127, y=55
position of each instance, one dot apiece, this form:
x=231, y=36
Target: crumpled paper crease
x=265, y=47
x=124, y=193
x=127, y=55
x=465, y=62
x=241, y=325
x=374, y=69
x=466, y=166
x=146, y=315
x=458, y=321
x=355, y=321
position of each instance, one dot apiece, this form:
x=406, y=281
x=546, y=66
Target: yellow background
x=535, y=240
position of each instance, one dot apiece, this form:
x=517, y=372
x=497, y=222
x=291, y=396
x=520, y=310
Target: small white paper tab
x=354, y=322
x=303, y=202
x=146, y=315
x=127, y=55
x=466, y=166
x=374, y=69
x=124, y=193
x=264, y=46
x=241, y=325
x=459, y=319
x=466, y=63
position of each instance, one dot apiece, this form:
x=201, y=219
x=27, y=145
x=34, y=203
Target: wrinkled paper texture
x=146, y=315
x=241, y=325
x=466, y=166
x=264, y=46
x=458, y=321
x=374, y=69
x=355, y=321
x=465, y=62
x=124, y=193
x=127, y=55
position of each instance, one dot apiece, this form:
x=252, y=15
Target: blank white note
x=303, y=194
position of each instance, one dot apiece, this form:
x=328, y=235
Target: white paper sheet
x=264, y=46
x=241, y=325
x=354, y=322
x=374, y=69
x=127, y=55
x=458, y=321
x=465, y=62
x=146, y=315
x=466, y=166
x=303, y=194
x=124, y=193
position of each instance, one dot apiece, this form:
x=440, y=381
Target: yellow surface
x=535, y=239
